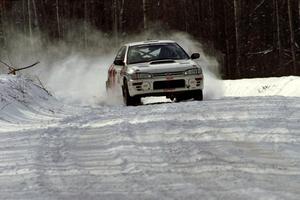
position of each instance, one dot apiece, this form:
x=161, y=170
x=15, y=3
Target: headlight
x=194, y=71
x=137, y=76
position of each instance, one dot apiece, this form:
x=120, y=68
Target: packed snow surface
x=233, y=147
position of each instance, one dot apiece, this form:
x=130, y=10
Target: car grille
x=172, y=84
x=163, y=74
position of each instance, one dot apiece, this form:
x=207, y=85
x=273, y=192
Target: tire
x=179, y=98
x=107, y=86
x=128, y=100
x=183, y=97
x=198, y=96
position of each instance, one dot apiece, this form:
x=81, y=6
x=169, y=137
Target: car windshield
x=152, y=52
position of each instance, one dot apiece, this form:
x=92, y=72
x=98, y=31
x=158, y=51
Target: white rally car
x=155, y=68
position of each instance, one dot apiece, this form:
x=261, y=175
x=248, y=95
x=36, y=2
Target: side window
x=121, y=54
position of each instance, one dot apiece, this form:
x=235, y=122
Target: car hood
x=162, y=66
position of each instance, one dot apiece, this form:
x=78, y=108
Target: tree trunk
x=58, y=20
x=85, y=23
x=24, y=10
x=278, y=40
x=29, y=19
x=2, y=36
x=237, y=15
x=35, y=22
x=198, y=17
x=227, y=43
x=145, y=14
x=299, y=13
x=186, y=22
x=292, y=36
x=115, y=21
x=121, y=17
x=211, y=21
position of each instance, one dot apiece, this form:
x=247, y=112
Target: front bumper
x=165, y=86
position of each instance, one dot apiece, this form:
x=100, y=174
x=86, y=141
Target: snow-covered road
x=230, y=148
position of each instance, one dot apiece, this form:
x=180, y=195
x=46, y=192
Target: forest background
x=257, y=38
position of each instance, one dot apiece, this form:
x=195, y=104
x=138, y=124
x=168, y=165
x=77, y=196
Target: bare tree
x=227, y=43
x=29, y=18
x=145, y=6
x=85, y=23
x=299, y=11
x=24, y=11
x=58, y=19
x=115, y=21
x=121, y=17
x=2, y=38
x=36, y=21
x=277, y=20
x=292, y=36
x=237, y=17
x=211, y=19
x=186, y=22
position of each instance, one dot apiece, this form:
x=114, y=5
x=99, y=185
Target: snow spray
x=78, y=75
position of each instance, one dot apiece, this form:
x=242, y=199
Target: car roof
x=149, y=42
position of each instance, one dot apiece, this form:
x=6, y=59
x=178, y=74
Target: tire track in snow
x=226, y=149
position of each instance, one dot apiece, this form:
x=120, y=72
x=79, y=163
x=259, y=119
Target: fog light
x=146, y=86
x=193, y=83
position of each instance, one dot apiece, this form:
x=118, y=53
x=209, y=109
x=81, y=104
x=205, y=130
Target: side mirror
x=195, y=56
x=119, y=62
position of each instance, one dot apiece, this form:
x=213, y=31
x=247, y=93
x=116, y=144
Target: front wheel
x=107, y=86
x=198, y=96
x=128, y=100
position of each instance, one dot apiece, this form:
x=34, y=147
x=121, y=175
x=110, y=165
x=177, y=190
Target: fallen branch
x=13, y=70
x=7, y=65
x=41, y=85
x=4, y=106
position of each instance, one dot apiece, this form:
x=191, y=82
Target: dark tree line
x=255, y=38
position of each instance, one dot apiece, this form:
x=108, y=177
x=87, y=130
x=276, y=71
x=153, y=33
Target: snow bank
x=281, y=86
x=18, y=92
x=24, y=102
x=21, y=100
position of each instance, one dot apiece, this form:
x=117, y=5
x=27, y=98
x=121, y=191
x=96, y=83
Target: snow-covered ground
x=282, y=86
x=243, y=145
